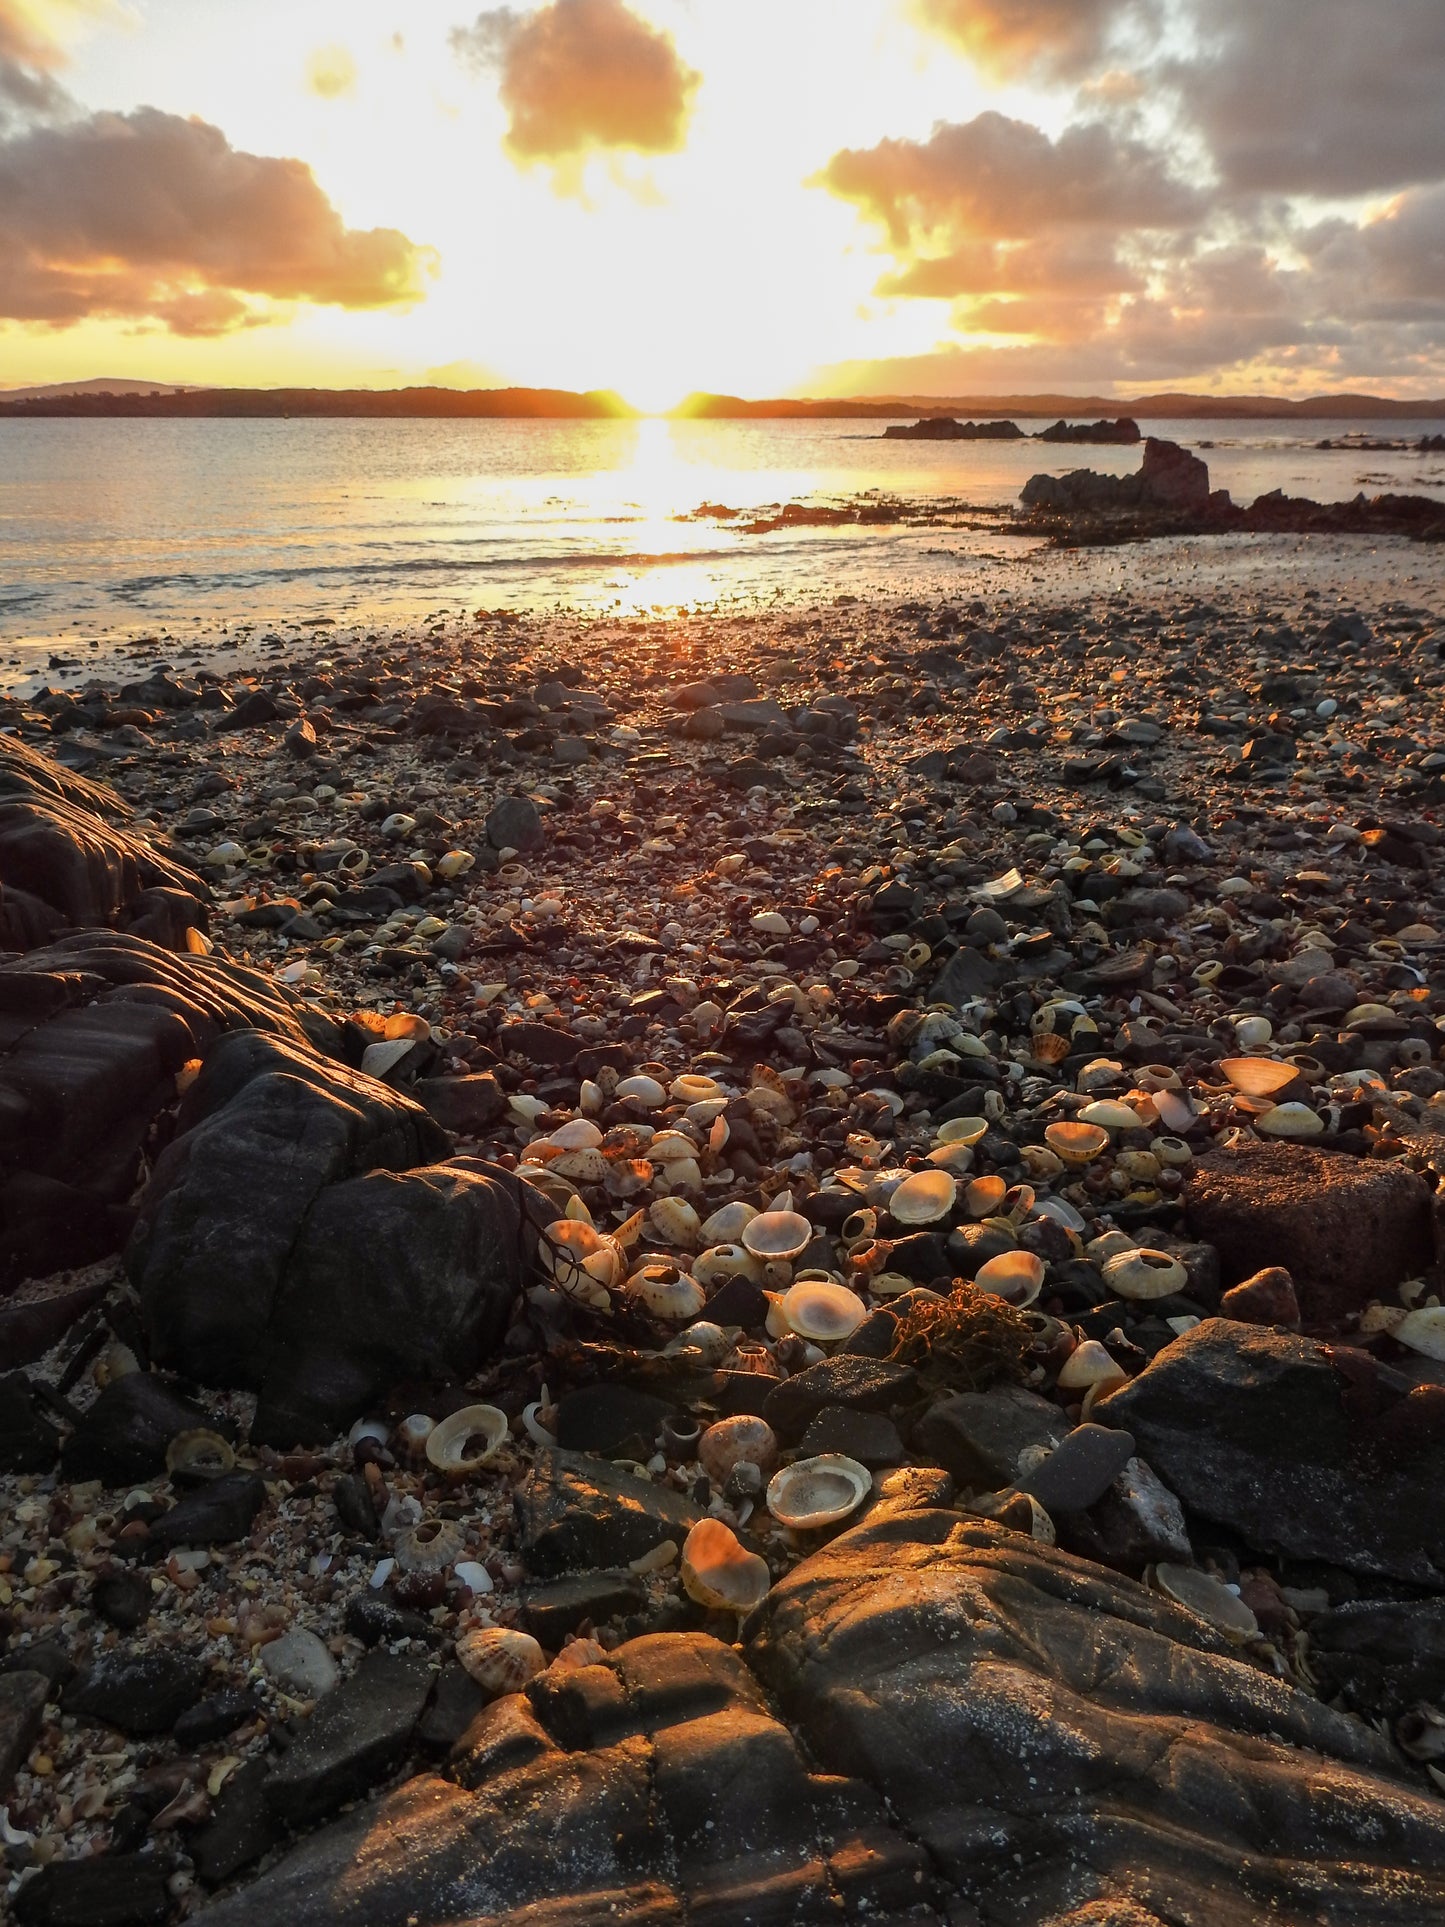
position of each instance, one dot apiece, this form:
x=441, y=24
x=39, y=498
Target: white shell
x=728, y=1222
x=923, y=1198
x=645, y=1091
x=825, y=1313
x=1290, y=1120
x=1015, y=1276
x=812, y=1493
x=720, y=1262
x=464, y=1442
x=1144, y=1274
x=377, y=1059
x=1111, y=1116
x=777, y=1234
x=718, y=1571
x=1205, y=1596
x=666, y=1291
x=744, y=1440
x=499, y=1658
x=1258, y=1076
x=675, y=1222
x=578, y=1134
x=1089, y=1364
x=1424, y=1331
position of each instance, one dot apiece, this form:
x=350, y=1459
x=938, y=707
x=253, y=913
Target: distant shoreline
x=556, y=404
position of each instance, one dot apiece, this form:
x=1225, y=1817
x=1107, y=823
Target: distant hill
x=97, y=385
x=1162, y=407
x=137, y=401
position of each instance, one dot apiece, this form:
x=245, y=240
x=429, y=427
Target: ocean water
x=211, y=531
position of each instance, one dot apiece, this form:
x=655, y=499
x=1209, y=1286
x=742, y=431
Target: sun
x=655, y=395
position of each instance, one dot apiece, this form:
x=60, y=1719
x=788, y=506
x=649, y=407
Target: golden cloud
x=1013, y=37
x=148, y=215
x=331, y=72
x=579, y=76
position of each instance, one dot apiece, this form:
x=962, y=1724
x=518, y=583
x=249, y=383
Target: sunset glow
x=657, y=197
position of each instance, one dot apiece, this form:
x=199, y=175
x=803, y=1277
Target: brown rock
x=1268, y=1298
x=1346, y=1228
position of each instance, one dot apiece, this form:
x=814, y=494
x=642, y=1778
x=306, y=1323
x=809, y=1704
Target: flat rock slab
x=576, y=1513
x=22, y=1709
x=1302, y=1448
x=1346, y=1229
x=980, y=1436
x=655, y=1788
x=358, y=1734
x=1058, y=1736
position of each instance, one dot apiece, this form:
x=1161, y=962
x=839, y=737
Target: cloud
x=34, y=36
x=1053, y=38
x=149, y=216
x=331, y=72
x=579, y=76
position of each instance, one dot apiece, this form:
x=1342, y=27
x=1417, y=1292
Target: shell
x=1144, y=1274
x=1423, y=1331
x=666, y=1291
x=430, y=1546
x=702, y=1342
x=1172, y=1151
x=675, y=1222
x=644, y=1091
x=583, y=1263
x=720, y=1262
x=199, y=1454
x=1258, y=1076
x=465, y=1442
x=961, y=1130
x=413, y=1433
x=578, y=1134
x=668, y=1147
x=923, y=1198
x=719, y=1572
x=956, y=1159
x=1077, y=1143
x=1174, y=1109
x=777, y=1234
x=691, y=1089
x=737, y=1441
x=1112, y=1116
x=1290, y=1120
x=1202, y=1594
x=984, y=1196
x=377, y=1059
x=1015, y=1276
x=1253, y=1032
x=825, y=1313
x=1051, y=1048
x=1090, y=1364
x=813, y=1493
x=499, y=1658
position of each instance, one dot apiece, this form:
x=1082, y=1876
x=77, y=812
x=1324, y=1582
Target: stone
x=362, y=1270
x=614, y=1421
x=1080, y=1469
x=376, y=1621
x=212, y=1718
x=1384, y=1655
x=122, y=1598
x=215, y=1514
x=980, y=1436
x=653, y=1788
x=551, y=1612
x=300, y=1664
x=455, y=1702
x=1136, y=1522
x=1268, y=1298
x=577, y=1513
x=869, y=1437
x=539, y=1044
x=37, y=1315
x=1303, y=1449
x=1347, y=1229
x=465, y=1106
x=123, y=1437
x=1061, y=1739
x=358, y=1735
x=22, y=1713
x=108, y=1890
x=862, y=1384
x=140, y=1692
x=515, y=823
x=241, y=1828
x=29, y=1442
x=1173, y=478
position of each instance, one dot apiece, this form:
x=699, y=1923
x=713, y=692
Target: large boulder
x=300, y=1236
x=1172, y=478
x=1060, y=1739
x=1346, y=1229
x=1302, y=1448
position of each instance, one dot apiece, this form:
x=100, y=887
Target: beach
x=967, y=1046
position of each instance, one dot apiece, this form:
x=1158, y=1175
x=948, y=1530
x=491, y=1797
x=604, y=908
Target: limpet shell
x=675, y=1221
x=961, y=1130
x=666, y=1290
x=982, y=1198
x=703, y=1342
x=1423, y=1331
x=719, y=1572
x=465, y=1442
x=1253, y=1032
x=578, y=1134
x=923, y=1198
x=777, y=1234
x=583, y=1263
x=744, y=1440
x=1090, y=1364
x=812, y=1493
x=1144, y=1274
x=1258, y=1076
x=1110, y=1116
x=720, y=1262
x=199, y=1454
x=499, y=1658
x=431, y=1546
x=1290, y=1120
x=1015, y=1276
x=1210, y=1600
x=825, y=1313
x=645, y=1091
x=1077, y=1143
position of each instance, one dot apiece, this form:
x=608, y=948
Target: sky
x=756, y=197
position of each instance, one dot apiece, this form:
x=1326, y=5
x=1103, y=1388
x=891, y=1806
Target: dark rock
x=980, y=1436
x=1069, y=1746
x=455, y=1702
x=1384, y=1655
x=359, y=1734
x=138, y=1691
x=22, y=1713
x=515, y=823
x=942, y=428
x=346, y=1282
x=465, y=1106
x=241, y=1828
x=251, y=711
x=28, y=1440
x=875, y=1337
x=1080, y=1469
x=862, y=1384
x=1172, y=477
x=1268, y=1298
x=869, y=1437
x=1301, y=1448
x=124, y=1435
x=551, y=1612
x=216, y=1514
x=37, y=1315
x=377, y=1621
x=354, y=1508
x=738, y=1301
x=1347, y=1229
x=576, y=1513
x=111, y=1890
x=122, y=1598
x=613, y=1421
x=654, y=1788
x=539, y=1044
x=211, y=1719
x=1137, y=1521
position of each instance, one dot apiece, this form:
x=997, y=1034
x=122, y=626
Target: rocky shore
x=736, y=1269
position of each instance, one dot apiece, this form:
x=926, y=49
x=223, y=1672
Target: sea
x=196, y=533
